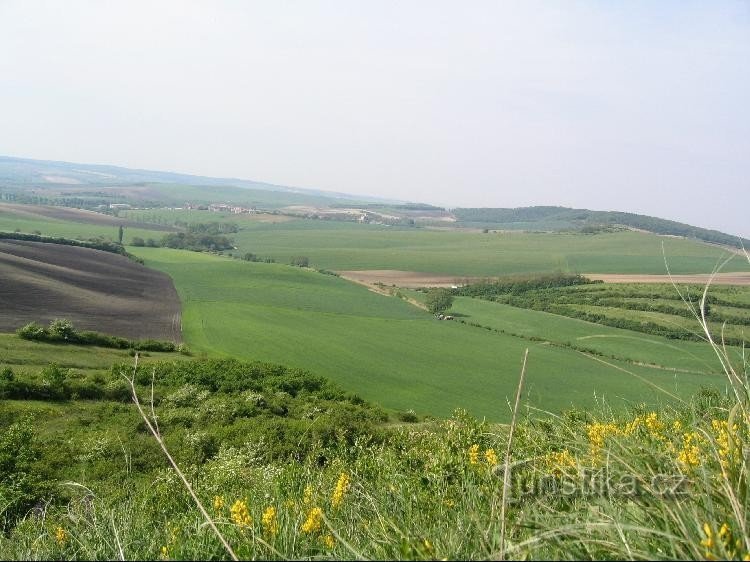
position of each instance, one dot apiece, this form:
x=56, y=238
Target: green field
x=10, y=222
x=383, y=348
x=345, y=245
x=626, y=344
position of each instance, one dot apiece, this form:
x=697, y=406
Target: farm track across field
x=96, y=290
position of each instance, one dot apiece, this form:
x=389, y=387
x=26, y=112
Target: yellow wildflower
x=164, y=552
x=342, y=486
x=328, y=541
x=474, y=454
x=61, y=536
x=240, y=515
x=307, y=498
x=708, y=542
x=598, y=433
x=490, y=457
x=632, y=426
x=654, y=425
x=218, y=503
x=313, y=521
x=560, y=462
x=676, y=425
x=690, y=455
x=289, y=504
x=270, y=523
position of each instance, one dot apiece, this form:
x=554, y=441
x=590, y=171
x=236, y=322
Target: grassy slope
x=379, y=346
x=30, y=356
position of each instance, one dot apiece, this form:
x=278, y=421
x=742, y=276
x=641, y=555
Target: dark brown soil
x=96, y=290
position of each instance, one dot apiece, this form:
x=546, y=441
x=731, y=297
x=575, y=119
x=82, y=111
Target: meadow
x=386, y=349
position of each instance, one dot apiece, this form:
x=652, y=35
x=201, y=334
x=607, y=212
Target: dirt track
x=405, y=279
x=78, y=215
x=415, y=279
x=719, y=279
x=96, y=290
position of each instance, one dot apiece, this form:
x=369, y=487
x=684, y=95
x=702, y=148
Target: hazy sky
x=638, y=106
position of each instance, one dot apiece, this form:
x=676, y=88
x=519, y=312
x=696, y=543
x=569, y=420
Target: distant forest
x=586, y=221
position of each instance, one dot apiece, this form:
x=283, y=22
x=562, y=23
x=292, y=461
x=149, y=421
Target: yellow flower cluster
x=491, y=457
x=654, y=425
x=342, y=487
x=598, y=434
x=218, y=503
x=726, y=445
x=474, y=454
x=559, y=462
x=61, y=537
x=307, y=496
x=313, y=522
x=328, y=541
x=730, y=548
x=240, y=515
x=270, y=523
x=690, y=454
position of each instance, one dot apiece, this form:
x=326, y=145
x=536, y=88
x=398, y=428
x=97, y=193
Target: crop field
x=385, y=349
x=348, y=246
x=96, y=290
x=12, y=220
x=611, y=342
x=656, y=308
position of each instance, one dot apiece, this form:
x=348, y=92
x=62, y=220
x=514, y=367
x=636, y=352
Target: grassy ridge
x=381, y=347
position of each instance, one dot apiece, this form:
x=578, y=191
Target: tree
x=438, y=300
x=120, y=232
x=300, y=261
x=138, y=241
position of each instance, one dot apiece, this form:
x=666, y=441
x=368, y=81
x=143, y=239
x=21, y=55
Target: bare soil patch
x=78, y=215
x=96, y=290
x=701, y=279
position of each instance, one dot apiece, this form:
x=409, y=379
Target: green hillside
x=383, y=348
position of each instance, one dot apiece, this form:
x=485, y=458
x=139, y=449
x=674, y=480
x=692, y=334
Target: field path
x=702, y=279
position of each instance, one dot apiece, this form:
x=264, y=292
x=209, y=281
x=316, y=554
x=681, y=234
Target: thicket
x=519, y=285
x=61, y=330
x=198, y=237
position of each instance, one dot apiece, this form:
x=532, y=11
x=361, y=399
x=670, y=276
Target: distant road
x=702, y=279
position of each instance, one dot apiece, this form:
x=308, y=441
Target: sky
x=627, y=105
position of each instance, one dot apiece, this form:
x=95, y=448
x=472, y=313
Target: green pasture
x=385, y=349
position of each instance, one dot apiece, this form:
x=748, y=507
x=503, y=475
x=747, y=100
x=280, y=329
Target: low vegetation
x=61, y=330
x=92, y=243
